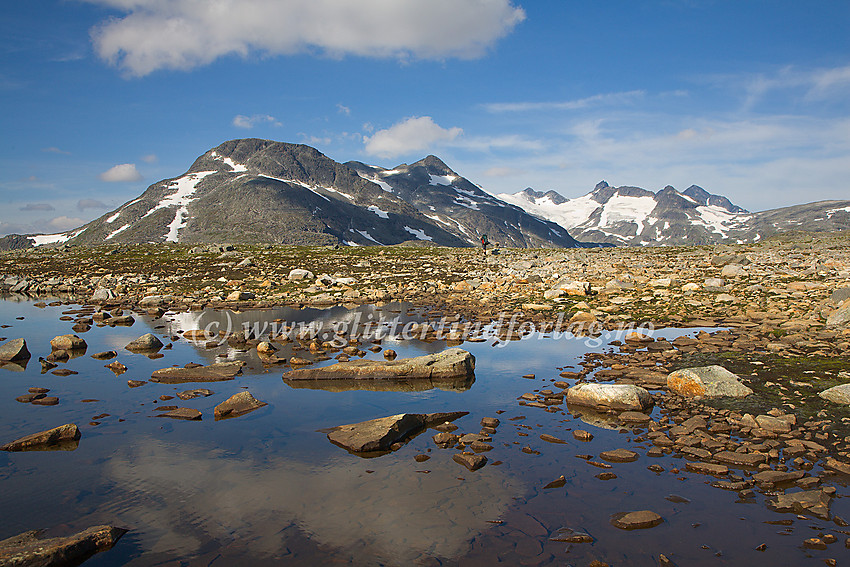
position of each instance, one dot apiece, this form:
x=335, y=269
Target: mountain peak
x=434, y=165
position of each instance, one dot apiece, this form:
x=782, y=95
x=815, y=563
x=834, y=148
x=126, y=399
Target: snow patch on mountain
x=418, y=233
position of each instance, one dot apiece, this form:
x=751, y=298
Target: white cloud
x=502, y=171
x=38, y=207
x=595, y=100
x=342, y=109
x=150, y=158
x=409, y=135
x=124, y=172
x=182, y=34
x=55, y=150
x=248, y=122
x=65, y=223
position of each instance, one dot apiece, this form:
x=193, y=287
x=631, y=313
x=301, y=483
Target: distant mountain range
x=266, y=192
x=261, y=191
x=638, y=217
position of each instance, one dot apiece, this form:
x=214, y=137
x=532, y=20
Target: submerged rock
x=29, y=549
x=815, y=502
x=216, y=372
x=471, y=461
x=237, y=404
x=641, y=519
x=378, y=434
x=707, y=381
x=68, y=433
x=451, y=363
x=14, y=350
x=610, y=396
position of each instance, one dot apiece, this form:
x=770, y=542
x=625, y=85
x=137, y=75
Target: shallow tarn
x=269, y=488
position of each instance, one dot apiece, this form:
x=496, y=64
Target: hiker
x=484, y=243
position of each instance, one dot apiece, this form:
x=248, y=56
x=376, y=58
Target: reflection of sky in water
x=178, y=497
x=179, y=485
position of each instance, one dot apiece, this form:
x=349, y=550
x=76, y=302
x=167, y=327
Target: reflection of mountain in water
x=180, y=499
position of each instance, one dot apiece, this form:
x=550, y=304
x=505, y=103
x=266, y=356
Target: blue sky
x=746, y=98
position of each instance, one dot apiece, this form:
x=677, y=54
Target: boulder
x=103, y=294
x=471, y=461
x=610, y=396
x=68, y=433
x=379, y=434
x=815, y=502
x=240, y=296
x=29, y=549
x=300, y=274
x=451, y=363
x=237, y=404
x=707, y=381
x=216, y=372
x=14, y=350
x=837, y=394
x=840, y=317
x=68, y=342
x=147, y=342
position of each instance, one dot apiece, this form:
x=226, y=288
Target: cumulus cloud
x=248, y=122
x=182, y=34
x=121, y=173
x=65, y=223
x=84, y=204
x=409, y=135
x=37, y=207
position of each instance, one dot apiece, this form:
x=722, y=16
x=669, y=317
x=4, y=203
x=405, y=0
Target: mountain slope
x=463, y=208
x=260, y=191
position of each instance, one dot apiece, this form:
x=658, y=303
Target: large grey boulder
x=837, y=394
x=44, y=439
x=28, y=549
x=610, y=396
x=707, y=381
x=147, y=342
x=379, y=434
x=14, y=350
x=451, y=363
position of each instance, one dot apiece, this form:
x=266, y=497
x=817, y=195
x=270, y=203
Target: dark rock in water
x=14, y=350
x=237, y=404
x=551, y=438
x=490, y=422
x=28, y=398
x=46, y=401
x=569, y=535
x=147, y=342
x=116, y=367
x=28, y=549
x=44, y=439
x=379, y=434
x=450, y=363
x=106, y=355
x=557, y=483
x=470, y=460
x=182, y=413
x=217, y=372
x=68, y=342
x=121, y=321
x=136, y=383
x=619, y=456
x=196, y=393
x=638, y=520
x=445, y=439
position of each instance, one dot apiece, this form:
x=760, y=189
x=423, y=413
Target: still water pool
x=268, y=488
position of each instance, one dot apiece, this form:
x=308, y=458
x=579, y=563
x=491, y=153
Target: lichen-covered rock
x=14, y=350
x=837, y=394
x=68, y=342
x=707, y=381
x=147, y=342
x=43, y=439
x=29, y=549
x=378, y=434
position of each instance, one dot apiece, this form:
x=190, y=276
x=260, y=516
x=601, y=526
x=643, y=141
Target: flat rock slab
x=14, y=350
x=471, y=461
x=29, y=549
x=740, y=459
x=639, y=520
x=378, y=434
x=451, y=363
x=182, y=413
x=707, y=381
x=610, y=396
x=815, y=502
x=237, y=404
x=776, y=477
x=619, y=456
x=217, y=372
x=707, y=468
x=44, y=440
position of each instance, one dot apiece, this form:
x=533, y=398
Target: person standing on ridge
x=484, y=243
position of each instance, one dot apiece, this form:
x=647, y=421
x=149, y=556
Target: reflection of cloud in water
x=181, y=496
